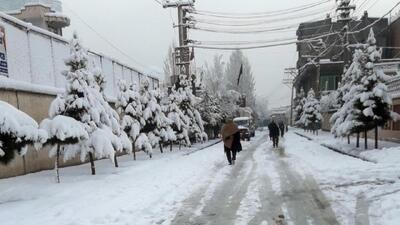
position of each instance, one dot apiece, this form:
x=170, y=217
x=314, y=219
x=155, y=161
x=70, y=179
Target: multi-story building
x=321, y=61
x=46, y=14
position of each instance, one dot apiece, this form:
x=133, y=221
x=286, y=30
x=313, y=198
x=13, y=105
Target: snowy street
x=200, y=188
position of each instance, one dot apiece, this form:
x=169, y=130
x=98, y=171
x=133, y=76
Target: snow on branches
x=17, y=131
x=85, y=102
x=366, y=103
x=311, y=117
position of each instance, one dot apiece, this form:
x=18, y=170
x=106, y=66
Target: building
x=392, y=67
x=321, y=62
x=46, y=14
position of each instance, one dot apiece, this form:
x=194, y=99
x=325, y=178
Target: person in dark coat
x=282, y=128
x=231, y=137
x=274, y=133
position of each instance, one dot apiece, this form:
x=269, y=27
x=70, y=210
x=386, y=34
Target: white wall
x=38, y=58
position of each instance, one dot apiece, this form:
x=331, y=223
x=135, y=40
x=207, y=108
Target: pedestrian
x=282, y=128
x=231, y=138
x=274, y=133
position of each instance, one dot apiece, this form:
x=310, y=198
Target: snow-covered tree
x=214, y=81
x=83, y=102
x=366, y=102
x=344, y=120
x=246, y=85
x=187, y=104
x=299, y=106
x=169, y=65
x=372, y=101
x=211, y=113
x=62, y=131
x=180, y=122
x=164, y=127
x=157, y=125
x=311, y=117
x=130, y=107
x=17, y=132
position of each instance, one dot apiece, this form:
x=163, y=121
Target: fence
x=36, y=56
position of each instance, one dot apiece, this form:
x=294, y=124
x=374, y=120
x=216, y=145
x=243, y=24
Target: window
x=396, y=125
x=328, y=83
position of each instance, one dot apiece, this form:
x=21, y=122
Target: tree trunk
x=56, y=164
x=348, y=139
x=180, y=145
x=134, y=152
x=365, y=139
x=376, y=137
x=91, y=158
x=115, y=160
x=170, y=146
x=161, y=148
x=358, y=140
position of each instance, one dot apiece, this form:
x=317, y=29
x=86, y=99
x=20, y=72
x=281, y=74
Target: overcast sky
x=143, y=29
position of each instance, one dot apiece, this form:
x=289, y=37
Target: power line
x=293, y=42
x=257, y=15
x=230, y=23
x=105, y=39
x=159, y=2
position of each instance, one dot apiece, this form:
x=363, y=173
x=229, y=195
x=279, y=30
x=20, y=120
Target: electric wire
x=105, y=39
x=256, y=15
x=231, y=23
x=293, y=42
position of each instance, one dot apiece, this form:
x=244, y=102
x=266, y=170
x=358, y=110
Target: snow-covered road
x=301, y=181
x=257, y=190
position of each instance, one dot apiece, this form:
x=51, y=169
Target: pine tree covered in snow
x=83, y=102
x=367, y=103
x=157, y=125
x=62, y=131
x=311, y=117
x=180, y=122
x=211, y=112
x=17, y=131
x=300, y=101
x=373, y=101
x=187, y=102
x=130, y=106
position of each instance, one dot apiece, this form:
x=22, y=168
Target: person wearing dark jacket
x=274, y=133
x=231, y=137
x=282, y=128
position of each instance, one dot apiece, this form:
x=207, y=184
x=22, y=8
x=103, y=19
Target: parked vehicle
x=247, y=129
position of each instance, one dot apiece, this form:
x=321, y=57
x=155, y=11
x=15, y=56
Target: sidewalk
x=388, y=152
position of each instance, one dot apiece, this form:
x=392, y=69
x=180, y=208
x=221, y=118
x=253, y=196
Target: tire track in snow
x=221, y=201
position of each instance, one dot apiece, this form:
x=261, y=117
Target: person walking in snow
x=231, y=137
x=274, y=133
x=282, y=128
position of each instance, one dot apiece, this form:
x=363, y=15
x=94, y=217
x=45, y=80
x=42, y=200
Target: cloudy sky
x=144, y=30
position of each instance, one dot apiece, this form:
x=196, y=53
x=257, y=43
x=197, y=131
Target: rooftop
x=15, y=6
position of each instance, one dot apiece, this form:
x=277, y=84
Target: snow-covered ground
x=356, y=188
x=138, y=192
x=302, y=181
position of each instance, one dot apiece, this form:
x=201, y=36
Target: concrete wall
x=35, y=105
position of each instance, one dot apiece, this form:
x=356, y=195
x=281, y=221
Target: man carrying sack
x=231, y=138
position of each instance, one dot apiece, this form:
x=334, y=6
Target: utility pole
x=344, y=10
x=289, y=81
x=182, y=52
